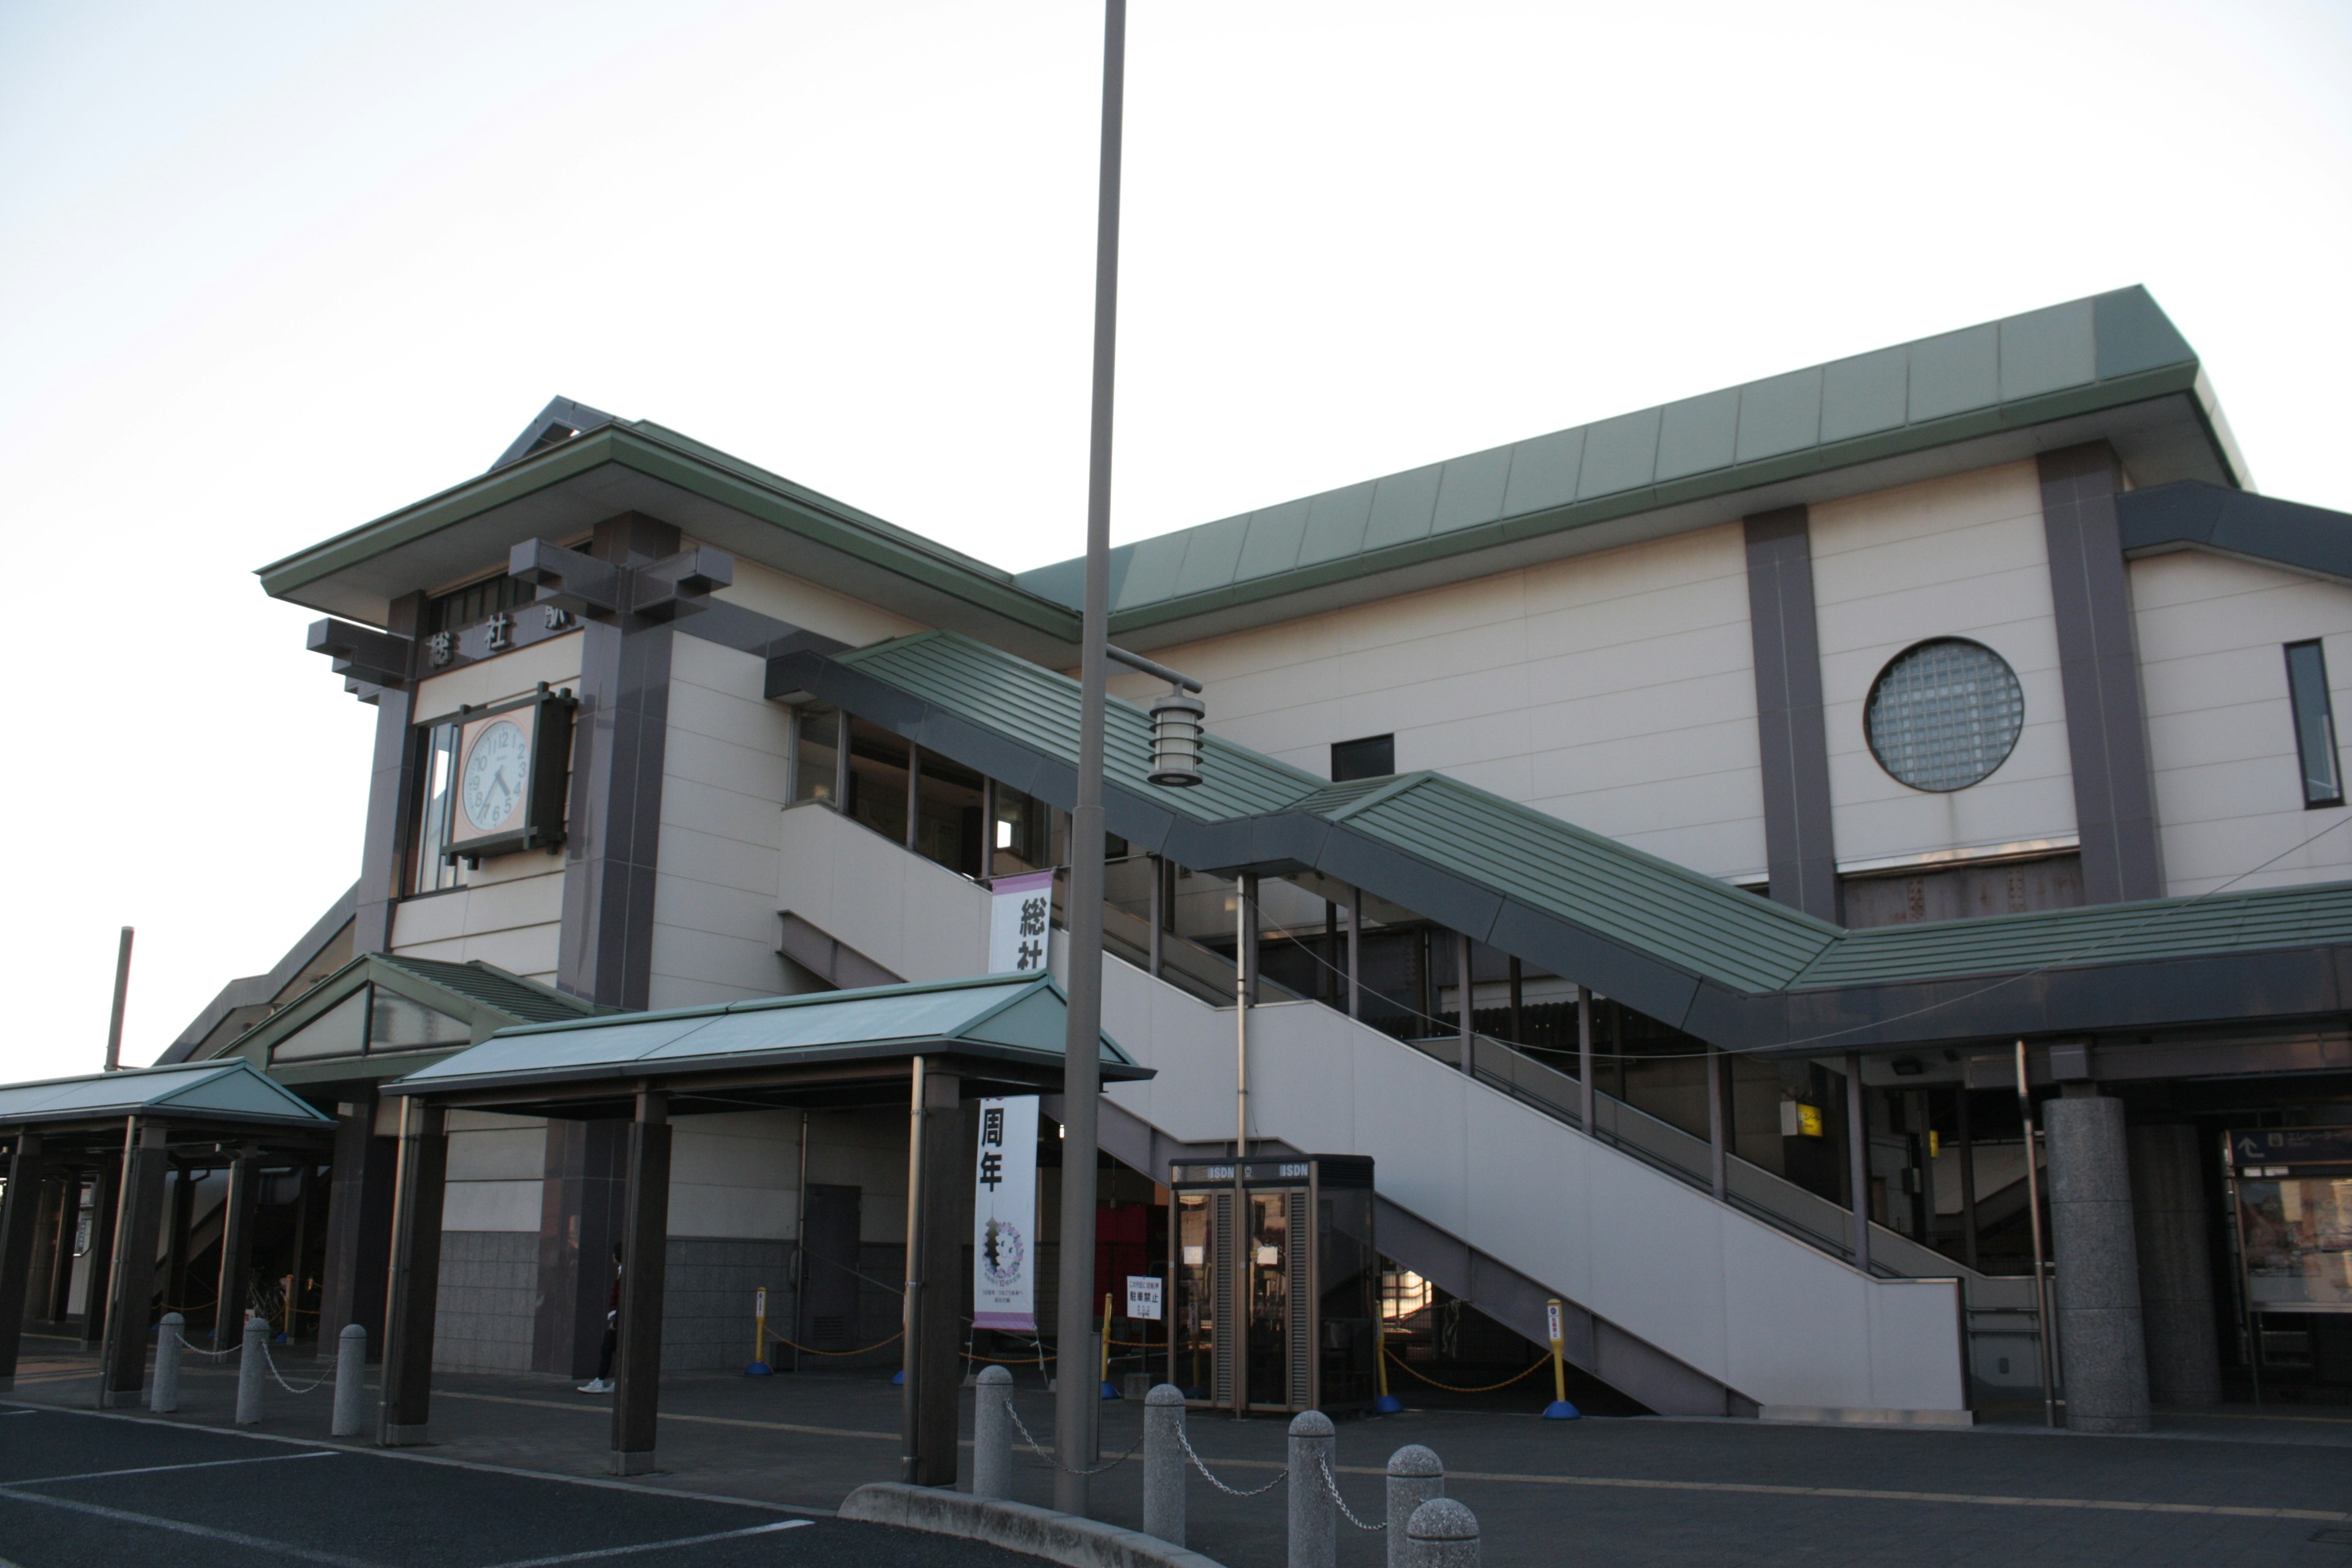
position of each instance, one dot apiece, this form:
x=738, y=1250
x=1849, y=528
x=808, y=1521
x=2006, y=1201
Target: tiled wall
x=1616, y=691
x=709, y=1297
x=2229, y=791
x=714, y=921
x=489, y=1287
x=1963, y=556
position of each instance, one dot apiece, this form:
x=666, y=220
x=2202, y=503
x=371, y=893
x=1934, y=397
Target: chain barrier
x=1200, y=1466
x=1039, y=1449
x=272, y=1362
x=210, y=1356
x=1331, y=1485
x=862, y=1349
x=1451, y=1388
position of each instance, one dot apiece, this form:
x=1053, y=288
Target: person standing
x=603, y=1381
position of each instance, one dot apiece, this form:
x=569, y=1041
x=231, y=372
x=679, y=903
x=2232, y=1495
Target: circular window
x=1944, y=714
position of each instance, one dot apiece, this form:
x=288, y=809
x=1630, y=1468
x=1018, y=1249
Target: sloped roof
x=481, y=995
x=229, y=1091
x=1013, y=1015
x=1685, y=948
x=490, y=986
x=2065, y=360
x=2190, y=515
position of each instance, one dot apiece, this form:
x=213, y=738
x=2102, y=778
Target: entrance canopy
x=225, y=1098
x=1000, y=1032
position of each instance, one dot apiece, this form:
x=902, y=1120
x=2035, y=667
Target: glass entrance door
x=1274, y=1272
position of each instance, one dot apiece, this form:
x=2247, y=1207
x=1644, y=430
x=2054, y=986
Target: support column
x=1792, y=738
x=236, y=1250
x=2176, y=1280
x=20, y=1209
x=415, y=1284
x=582, y=1198
x=1857, y=1159
x=61, y=1262
x=359, y=1225
x=40, y=1268
x=1586, y=1091
x=179, y=1206
x=389, y=780
x=1245, y=891
x=1718, y=1133
x=1159, y=908
x=1355, y=951
x=2099, y=669
x=131, y=1293
x=103, y=1216
x=1462, y=988
x=2097, y=1267
x=1968, y=1182
x=935, y=1245
x=645, y=1250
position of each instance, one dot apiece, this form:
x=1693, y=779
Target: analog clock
x=498, y=769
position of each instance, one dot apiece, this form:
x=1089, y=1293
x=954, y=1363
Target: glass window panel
x=1023, y=833
x=2314, y=724
x=1372, y=757
x=436, y=775
x=1945, y=714
x=399, y=1023
x=948, y=798
x=878, y=779
x=816, y=756
x=337, y=1032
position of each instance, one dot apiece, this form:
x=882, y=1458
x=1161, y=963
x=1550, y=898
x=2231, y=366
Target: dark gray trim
x=259, y=990
x=558, y=422
x=1791, y=736
x=2194, y=515
x=391, y=780
x=2106, y=736
x=2228, y=987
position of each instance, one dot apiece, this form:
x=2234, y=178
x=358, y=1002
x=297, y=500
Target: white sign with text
x=1005, y=1216
x=1021, y=920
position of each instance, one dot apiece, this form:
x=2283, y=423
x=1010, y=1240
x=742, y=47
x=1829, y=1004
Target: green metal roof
x=2081, y=357
x=997, y=1015
x=1040, y=707
x=491, y=988
x=208, y=1091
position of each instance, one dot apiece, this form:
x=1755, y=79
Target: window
x=475, y=602
x=2314, y=724
x=1373, y=757
x=816, y=754
x=1944, y=714
x=878, y=762
x=435, y=778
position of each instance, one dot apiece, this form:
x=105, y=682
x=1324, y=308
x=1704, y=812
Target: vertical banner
x=1021, y=921
x=1003, y=1217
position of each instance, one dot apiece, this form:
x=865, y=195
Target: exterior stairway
x=1486, y=1186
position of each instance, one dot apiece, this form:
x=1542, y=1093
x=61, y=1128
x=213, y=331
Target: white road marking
x=656, y=1545
x=180, y=1527
x=160, y=1470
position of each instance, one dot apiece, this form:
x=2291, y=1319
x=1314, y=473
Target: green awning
x=218, y=1092
x=1017, y=1021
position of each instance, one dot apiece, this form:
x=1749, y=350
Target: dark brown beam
x=237, y=1252
x=61, y=1244
x=645, y=1244
x=179, y=1208
x=130, y=1305
x=101, y=1247
x=359, y=1226
x=57, y=1192
x=20, y=1212
x=934, y=1292
x=416, y=1274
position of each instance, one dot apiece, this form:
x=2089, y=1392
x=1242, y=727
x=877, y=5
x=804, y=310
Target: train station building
x=1767, y=872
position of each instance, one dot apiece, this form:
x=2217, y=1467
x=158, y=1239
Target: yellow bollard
x=1387, y=1403
x=1560, y=1409
x=759, y=1367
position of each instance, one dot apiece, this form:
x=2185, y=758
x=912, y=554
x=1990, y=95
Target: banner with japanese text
x=1021, y=920
x=1005, y=1216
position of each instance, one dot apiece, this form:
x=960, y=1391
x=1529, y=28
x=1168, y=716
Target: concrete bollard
x=1443, y=1534
x=1415, y=1476
x=1164, y=1464
x=991, y=1434
x=251, y=1369
x=1314, y=1522
x=351, y=1382
x=164, y=1397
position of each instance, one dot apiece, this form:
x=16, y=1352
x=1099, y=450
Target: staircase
x=1486, y=1183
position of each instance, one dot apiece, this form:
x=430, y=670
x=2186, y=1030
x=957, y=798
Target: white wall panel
x=555, y=661
x=812, y=608
x=1963, y=556
x=491, y=1206
x=1521, y=683
x=2228, y=792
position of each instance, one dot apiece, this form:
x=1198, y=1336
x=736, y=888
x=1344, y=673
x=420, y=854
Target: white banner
x=1003, y=1217
x=1021, y=920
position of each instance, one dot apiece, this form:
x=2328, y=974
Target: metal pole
x=1076, y=1397
x=1355, y=951
x=1716, y=1129
x=1584, y=1058
x=1464, y=1025
x=1967, y=1183
x=2041, y=1274
x=121, y=994
x=1241, y=1027
x=910, y=1306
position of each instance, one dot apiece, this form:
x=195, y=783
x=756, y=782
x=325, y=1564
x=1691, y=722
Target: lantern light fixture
x=1176, y=723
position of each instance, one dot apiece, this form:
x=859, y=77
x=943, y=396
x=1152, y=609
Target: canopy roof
x=221, y=1092
x=1005, y=1028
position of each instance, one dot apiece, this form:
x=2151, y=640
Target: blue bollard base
x=898, y=1378
x=1561, y=1410
x=1388, y=1405
x=759, y=1369
x=1108, y=1391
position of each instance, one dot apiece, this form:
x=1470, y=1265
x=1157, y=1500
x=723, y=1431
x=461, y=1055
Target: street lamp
x=1175, y=724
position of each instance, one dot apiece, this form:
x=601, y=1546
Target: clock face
x=495, y=775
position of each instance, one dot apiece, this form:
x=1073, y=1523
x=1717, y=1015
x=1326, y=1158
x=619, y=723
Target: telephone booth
x=1276, y=1284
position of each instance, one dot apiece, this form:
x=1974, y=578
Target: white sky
x=268, y=271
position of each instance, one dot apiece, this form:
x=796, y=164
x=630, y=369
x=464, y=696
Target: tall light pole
x=1075, y=1395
